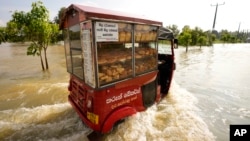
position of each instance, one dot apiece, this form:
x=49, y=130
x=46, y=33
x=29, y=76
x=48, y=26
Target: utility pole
x=209, y=37
x=238, y=33
x=216, y=9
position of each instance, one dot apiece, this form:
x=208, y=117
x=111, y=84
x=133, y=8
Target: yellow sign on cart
x=93, y=117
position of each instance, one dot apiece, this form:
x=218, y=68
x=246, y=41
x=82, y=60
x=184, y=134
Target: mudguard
x=117, y=115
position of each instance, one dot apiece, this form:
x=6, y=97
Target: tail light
x=90, y=103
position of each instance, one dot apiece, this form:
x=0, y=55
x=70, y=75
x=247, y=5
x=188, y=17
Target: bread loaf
x=122, y=36
x=143, y=37
x=128, y=37
x=102, y=61
x=154, y=35
x=121, y=26
x=138, y=27
x=146, y=27
x=148, y=37
x=137, y=36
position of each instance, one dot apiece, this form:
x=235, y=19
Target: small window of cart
x=75, y=51
x=145, y=48
x=67, y=50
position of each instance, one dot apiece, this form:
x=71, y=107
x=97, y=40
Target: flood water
x=209, y=92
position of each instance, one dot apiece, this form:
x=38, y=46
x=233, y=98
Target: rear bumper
x=83, y=116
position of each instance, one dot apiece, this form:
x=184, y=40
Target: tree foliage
x=201, y=40
x=195, y=37
x=16, y=27
x=2, y=35
x=34, y=26
x=233, y=37
x=207, y=38
x=185, y=38
x=57, y=19
x=60, y=15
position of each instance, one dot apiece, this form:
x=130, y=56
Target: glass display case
x=104, y=52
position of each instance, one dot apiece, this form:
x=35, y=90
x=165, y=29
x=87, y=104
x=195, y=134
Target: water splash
x=174, y=118
x=46, y=122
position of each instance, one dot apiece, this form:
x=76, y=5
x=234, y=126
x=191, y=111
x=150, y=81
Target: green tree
x=185, y=38
x=225, y=36
x=57, y=19
x=35, y=27
x=194, y=36
x=233, y=39
x=60, y=15
x=2, y=35
x=15, y=27
x=211, y=38
x=202, y=40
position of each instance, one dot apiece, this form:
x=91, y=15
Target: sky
x=231, y=15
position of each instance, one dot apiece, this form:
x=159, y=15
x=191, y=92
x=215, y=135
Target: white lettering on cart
x=131, y=93
x=114, y=98
x=127, y=94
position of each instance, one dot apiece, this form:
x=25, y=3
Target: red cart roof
x=88, y=12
